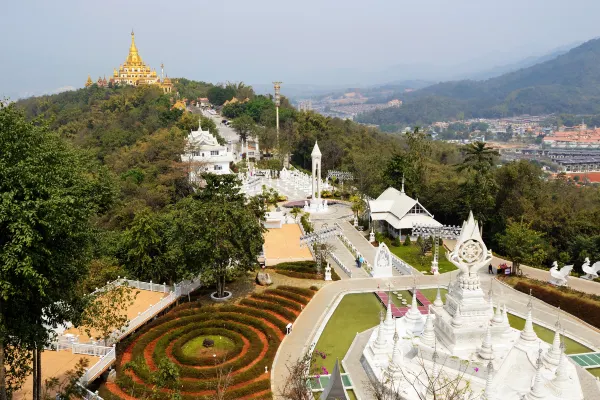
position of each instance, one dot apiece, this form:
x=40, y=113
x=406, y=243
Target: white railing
x=89, y=395
x=341, y=264
x=143, y=317
x=99, y=367
x=149, y=286
x=91, y=349
x=367, y=266
x=401, y=266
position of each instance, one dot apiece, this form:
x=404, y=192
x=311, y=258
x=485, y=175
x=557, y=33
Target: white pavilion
x=396, y=211
x=469, y=337
x=204, y=154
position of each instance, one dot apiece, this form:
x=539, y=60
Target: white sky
x=50, y=44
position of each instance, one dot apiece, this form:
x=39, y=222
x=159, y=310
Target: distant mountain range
x=567, y=83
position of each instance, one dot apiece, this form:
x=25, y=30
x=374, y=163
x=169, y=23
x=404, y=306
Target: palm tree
x=479, y=157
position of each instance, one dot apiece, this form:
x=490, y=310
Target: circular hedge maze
x=253, y=329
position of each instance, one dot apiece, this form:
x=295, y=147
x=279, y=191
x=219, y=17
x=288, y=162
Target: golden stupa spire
x=89, y=81
x=133, y=56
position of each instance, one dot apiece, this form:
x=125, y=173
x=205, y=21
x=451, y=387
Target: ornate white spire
x=528, y=335
x=505, y=321
x=561, y=380
x=497, y=320
x=438, y=298
x=553, y=355
x=316, y=151
x=457, y=320
x=488, y=394
x=402, y=190
x=537, y=390
x=389, y=324
x=428, y=336
x=486, y=351
x=380, y=342
x=396, y=358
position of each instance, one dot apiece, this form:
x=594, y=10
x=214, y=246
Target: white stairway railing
x=341, y=264
x=401, y=266
x=367, y=266
x=100, y=366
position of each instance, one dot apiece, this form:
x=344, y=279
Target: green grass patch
x=431, y=293
x=356, y=313
x=194, y=347
x=412, y=256
x=594, y=371
x=547, y=335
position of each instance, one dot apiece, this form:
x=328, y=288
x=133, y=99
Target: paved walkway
x=295, y=345
x=352, y=365
x=344, y=255
x=359, y=241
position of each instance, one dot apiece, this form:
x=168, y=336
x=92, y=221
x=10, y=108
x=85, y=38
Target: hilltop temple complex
x=135, y=72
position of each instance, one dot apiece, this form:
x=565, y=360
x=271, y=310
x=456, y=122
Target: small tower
x=316, y=175
x=528, y=335
x=89, y=81
x=428, y=336
x=486, y=351
x=438, y=298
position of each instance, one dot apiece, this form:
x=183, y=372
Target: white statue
x=383, y=263
x=591, y=272
x=470, y=254
x=559, y=277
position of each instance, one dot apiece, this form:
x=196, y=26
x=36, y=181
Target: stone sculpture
x=559, y=277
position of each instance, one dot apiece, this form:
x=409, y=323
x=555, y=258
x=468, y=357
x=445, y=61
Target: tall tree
x=45, y=232
x=479, y=157
x=244, y=126
x=523, y=245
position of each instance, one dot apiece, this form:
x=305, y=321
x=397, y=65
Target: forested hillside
x=569, y=83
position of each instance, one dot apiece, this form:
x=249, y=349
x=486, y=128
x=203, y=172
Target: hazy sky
x=46, y=45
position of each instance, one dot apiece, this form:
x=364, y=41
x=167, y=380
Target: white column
x=319, y=179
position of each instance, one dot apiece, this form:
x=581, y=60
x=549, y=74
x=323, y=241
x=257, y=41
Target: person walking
x=491, y=269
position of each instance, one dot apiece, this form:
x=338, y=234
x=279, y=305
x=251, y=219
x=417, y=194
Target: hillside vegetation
x=569, y=83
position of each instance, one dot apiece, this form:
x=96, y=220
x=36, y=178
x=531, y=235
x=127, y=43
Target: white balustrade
x=96, y=369
x=341, y=264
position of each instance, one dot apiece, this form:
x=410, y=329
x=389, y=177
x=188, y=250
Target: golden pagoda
x=135, y=72
x=89, y=82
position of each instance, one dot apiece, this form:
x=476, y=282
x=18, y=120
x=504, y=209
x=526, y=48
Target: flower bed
x=255, y=327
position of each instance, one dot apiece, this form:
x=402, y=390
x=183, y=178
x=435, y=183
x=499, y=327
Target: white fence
x=89, y=395
x=366, y=265
x=341, y=264
x=95, y=370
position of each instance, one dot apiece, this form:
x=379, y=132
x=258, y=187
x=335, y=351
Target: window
x=417, y=209
x=214, y=152
x=218, y=167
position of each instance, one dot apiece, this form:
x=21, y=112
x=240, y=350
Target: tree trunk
x=39, y=374
x=34, y=375
x=3, y=395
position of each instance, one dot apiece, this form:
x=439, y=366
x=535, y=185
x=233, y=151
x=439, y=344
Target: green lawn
x=412, y=256
x=547, y=335
x=356, y=313
x=194, y=347
x=594, y=371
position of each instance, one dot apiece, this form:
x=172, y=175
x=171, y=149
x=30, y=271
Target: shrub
x=580, y=305
x=396, y=241
x=299, y=275
x=285, y=313
x=315, y=288
x=277, y=300
x=326, y=194
x=297, y=266
x=301, y=291
x=308, y=228
x=288, y=294
x=407, y=241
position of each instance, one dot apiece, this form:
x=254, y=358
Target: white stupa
x=468, y=335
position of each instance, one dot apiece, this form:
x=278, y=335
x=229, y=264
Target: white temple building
x=468, y=336
x=204, y=154
x=395, y=211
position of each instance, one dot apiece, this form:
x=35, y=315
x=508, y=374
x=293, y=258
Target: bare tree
x=223, y=380
x=427, y=382
x=296, y=387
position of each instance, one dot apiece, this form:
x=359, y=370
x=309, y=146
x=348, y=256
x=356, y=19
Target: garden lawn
x=547, y=335
x=194, y=347
x=594, y=371
x=355, y=313
x=412, y=256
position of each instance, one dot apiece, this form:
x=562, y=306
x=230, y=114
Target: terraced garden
x=245, y=335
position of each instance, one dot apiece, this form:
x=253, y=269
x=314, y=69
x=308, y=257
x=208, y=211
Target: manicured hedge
x=289, y=295
x=256, y=313
x=302, y=291
x=302, y=270
x=571, y=301
x=292, y=305
x=177, y=349
x=284, y=312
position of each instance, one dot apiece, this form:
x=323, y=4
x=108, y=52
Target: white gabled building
x=204, y=154
x=394, y=211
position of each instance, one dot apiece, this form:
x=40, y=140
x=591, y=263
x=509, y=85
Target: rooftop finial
x=402, y=190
